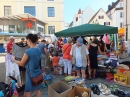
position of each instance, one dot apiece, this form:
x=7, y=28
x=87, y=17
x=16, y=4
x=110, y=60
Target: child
x=55, y=61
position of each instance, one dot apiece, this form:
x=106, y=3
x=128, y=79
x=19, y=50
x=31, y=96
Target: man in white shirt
x=80, y=57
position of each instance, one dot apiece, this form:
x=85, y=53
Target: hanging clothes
x=18, y=52
x=12, y=69
x=65, y=40
x=106, y=39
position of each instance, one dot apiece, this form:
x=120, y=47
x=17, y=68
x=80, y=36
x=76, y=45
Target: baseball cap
x=80, y=41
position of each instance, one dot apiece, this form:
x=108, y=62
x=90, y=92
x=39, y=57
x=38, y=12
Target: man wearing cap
x=80, y=57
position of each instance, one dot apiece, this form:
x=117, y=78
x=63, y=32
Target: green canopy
x=87, y=29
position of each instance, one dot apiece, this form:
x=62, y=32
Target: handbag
x=36, y=80
x=66, y=48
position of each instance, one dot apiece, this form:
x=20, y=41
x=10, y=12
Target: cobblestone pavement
x=44, y=91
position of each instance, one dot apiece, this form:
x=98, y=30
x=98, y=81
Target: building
x=101, y=18
x=66, y=25
x=49, y=12
x=116, y=14
x=82, y=17
x=77, y=19
x=127, y=18
x=88, y=13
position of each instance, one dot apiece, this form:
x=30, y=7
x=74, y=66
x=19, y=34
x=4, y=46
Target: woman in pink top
x=66, y=57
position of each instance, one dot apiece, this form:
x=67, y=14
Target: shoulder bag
x=36, y=80
x=66, y=48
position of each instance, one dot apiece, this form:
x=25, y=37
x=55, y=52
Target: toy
x=121, y=79
x=85, y=94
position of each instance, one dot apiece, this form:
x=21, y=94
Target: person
x=66, y=57
x=59, y=44
x=94, y=49
x=43, y=48
x=51, y=49
x=65, y=40
x=12, y=68
x=10, y=44
x=79, y=57
x=31, y=59
x=55, y=61
x=44, y=42
x=102, y=46
x=22, y=40
x=18, y=51
x=124, y=53
x=90, y=41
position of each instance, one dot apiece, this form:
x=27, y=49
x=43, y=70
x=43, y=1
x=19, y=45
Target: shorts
x=55, y=67
x=79, y=68
x=43, y=59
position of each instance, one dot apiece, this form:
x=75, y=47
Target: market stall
x=107, y=62
x=90, y=30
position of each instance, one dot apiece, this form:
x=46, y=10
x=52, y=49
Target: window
x=11, y=28
x=101, y=17
x=121, y=25
x=121, y=14
x=40, y=29
x=51, y=12
x=121, y=4
x=106, y=23
x=7, y=10
x=51, y=29
x=30, y=9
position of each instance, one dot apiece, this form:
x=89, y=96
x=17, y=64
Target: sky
x=71, y=7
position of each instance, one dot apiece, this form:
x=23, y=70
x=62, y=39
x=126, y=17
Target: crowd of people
x=77, y=54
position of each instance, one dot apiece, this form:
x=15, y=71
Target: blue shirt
x=41, y=46
x=65, y=41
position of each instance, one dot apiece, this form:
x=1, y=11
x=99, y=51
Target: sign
x=29, y=24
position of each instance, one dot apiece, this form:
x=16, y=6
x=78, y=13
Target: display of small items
x=121, y=79
x=84, y=94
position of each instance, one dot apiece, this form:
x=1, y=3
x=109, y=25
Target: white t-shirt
x=79, y=56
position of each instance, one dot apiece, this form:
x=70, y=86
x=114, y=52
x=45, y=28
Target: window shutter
x=98, y=17
x=104, y=23
x=109, y=23
x=102, y=17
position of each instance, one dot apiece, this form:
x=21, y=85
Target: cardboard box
x=78, y=90
x=61, y=87
x=125, y=73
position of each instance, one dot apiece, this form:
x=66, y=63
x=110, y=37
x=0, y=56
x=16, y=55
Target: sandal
x=97, y=90
x=104, y=89
x=93, y=89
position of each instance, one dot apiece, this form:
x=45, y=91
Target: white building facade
x=83, y=17
x=101, y=18
x=116, y=14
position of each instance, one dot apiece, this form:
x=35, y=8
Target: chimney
x=79, y=12
x=109, y=6
x=113, y=3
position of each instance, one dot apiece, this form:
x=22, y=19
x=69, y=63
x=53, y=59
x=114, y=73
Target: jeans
x=67, y=66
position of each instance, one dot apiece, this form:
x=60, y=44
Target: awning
x=20, y=34
x=20, y=17
x=13, y=34
x=121, y=31
x=87, y=29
